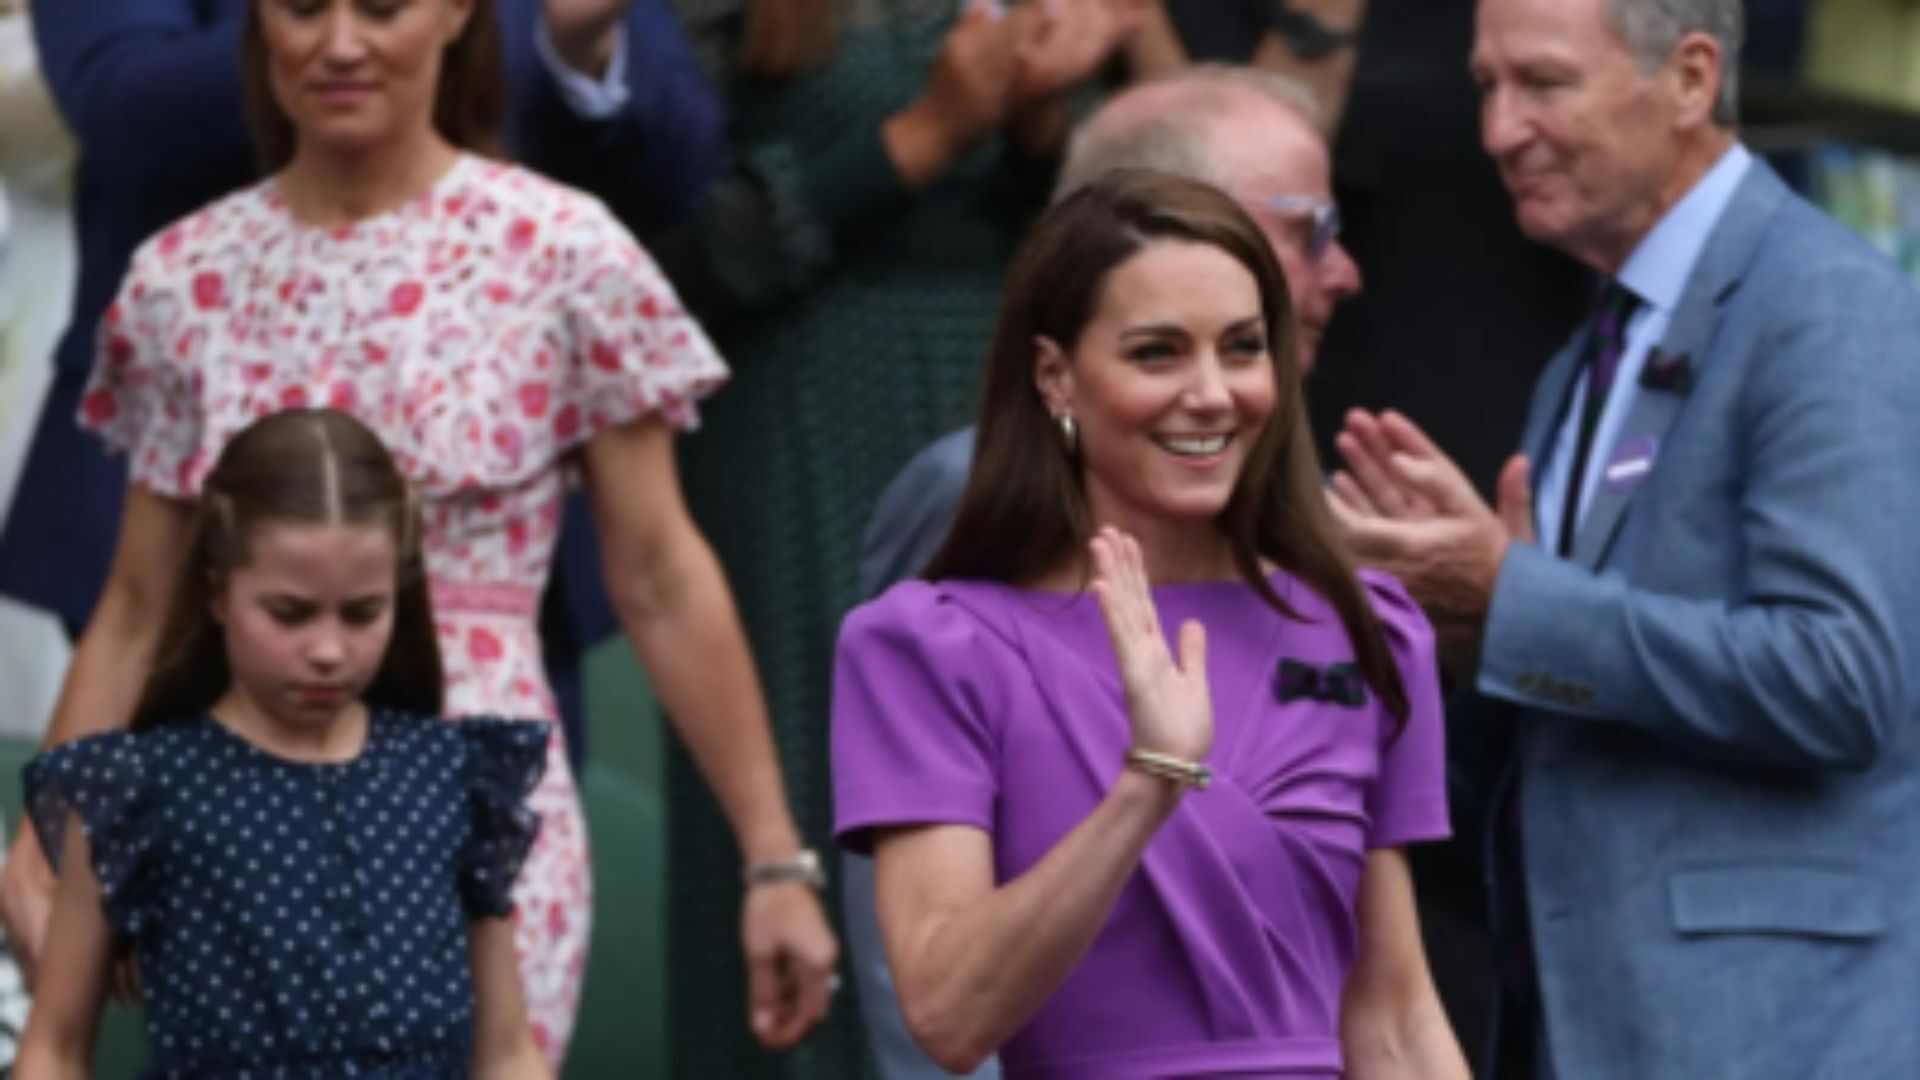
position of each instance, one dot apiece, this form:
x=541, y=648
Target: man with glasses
x=1254, y=135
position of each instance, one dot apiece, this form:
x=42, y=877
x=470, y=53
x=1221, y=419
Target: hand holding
x=791, y=955
x=1169, y=704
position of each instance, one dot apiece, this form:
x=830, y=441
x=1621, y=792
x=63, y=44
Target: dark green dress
x=855, y=315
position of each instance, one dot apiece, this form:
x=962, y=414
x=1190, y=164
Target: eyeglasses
x=1323, y=213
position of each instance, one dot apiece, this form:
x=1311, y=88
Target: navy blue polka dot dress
x=296, y=919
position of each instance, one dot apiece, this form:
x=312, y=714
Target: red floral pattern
x=485, y=330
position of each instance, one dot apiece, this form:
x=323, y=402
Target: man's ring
x=833, y=983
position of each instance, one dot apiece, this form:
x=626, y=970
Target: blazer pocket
x=1810, y=901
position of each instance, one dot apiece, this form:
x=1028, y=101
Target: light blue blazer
x=1718, y=748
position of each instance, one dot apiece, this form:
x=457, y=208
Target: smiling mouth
x=1194, y=445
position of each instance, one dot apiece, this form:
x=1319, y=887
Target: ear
x=1052, y=375
x=1696, y=70
x=460, y=12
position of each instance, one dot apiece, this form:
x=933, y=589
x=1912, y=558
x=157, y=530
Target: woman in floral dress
x=498, y=331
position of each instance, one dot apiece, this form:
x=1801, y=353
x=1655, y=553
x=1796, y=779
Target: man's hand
x=1406, y=508
x=584, y=31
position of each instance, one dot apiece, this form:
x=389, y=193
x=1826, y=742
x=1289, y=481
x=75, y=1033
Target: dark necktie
x=1606, y=341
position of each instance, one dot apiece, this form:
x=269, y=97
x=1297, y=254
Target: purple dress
x=980, y=704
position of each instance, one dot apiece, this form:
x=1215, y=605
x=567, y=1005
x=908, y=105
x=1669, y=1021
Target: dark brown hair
x=1025, y=512
x=469, y=102
x=304, y=467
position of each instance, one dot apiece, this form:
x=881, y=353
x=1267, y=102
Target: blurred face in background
x=356, y=75
x=1275, y=165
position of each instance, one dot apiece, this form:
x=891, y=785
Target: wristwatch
x=1306, y=35
x=802, y=866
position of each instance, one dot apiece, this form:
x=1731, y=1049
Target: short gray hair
x=1179, y=137
x=1651, y=29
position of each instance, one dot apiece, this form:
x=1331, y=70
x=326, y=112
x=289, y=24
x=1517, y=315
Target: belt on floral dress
x=483, y=598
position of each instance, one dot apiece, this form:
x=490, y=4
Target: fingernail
x=762, y=1020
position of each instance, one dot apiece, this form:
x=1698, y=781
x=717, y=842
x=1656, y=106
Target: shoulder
x=1827, y=269
x=213, y=232
x=964, y=628
x=536, y=212
x=1401, y=621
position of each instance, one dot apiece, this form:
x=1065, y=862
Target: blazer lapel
x=1688, y=340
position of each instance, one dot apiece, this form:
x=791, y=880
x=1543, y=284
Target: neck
x=1175, y=552
x=338, y=738
x=1696, y=158
x=330, y=188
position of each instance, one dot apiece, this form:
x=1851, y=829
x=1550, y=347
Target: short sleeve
x=502, y=761
x=143, y=399
x=914, y=739
x=1409, y=800
x=103, y=781
x=634, y=349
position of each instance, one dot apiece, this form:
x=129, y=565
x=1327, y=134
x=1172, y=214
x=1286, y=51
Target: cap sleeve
x=103, y=781
x=634, y=350
x=143, y=399
x=503, y=760
x=914, y=717
x=1409, y=800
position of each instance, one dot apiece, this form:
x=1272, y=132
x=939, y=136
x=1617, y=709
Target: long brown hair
x=469, y=101
x=1025, y=511
x=302, y=466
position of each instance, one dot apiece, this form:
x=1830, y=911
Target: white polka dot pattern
x=295, y=919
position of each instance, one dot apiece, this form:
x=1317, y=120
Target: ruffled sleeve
x=503, y=760
x=1409, y=802
x=104, y=781
x=633, y=350
x=144, y=397
x=914, y=736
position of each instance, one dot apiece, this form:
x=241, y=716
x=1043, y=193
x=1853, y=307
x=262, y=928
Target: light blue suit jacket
x=1718, y=753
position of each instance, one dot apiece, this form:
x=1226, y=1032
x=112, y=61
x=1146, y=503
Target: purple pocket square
x=1668, y=372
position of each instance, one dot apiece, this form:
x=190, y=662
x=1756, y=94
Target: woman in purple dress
x=1104, y=853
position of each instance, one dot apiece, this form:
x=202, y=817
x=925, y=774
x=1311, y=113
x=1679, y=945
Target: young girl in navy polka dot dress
x=310, y=869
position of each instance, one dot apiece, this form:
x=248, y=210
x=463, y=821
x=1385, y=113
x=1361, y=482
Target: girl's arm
x=102, y=688
x=1391, y=1024
x=72, y=988
x=672, y=600
x=503, y=1047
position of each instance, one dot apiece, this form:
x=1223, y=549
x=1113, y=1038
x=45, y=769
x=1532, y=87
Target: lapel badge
x=1670, y=373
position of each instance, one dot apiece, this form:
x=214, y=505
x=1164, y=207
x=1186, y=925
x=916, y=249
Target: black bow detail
x=1337, y=684
x=1669, y=372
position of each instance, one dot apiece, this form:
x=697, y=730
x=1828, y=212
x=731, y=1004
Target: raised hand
x=1169, y=704
x=1060, y=43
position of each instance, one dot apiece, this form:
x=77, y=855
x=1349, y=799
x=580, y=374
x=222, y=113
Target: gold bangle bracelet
x=1194, y=774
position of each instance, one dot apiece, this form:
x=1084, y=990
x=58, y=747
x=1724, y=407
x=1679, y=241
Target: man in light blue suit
x=1698, y=598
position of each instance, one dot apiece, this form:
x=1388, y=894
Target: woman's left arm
x=672, y=600
x=503, y=1046
x=1391, y=1023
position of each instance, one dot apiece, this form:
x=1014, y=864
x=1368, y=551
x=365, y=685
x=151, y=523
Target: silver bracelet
x=803, y=866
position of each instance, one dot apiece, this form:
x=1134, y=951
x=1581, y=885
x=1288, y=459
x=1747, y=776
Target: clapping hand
x=1169, y=704
x=1060, y=43
x=1406, y=508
